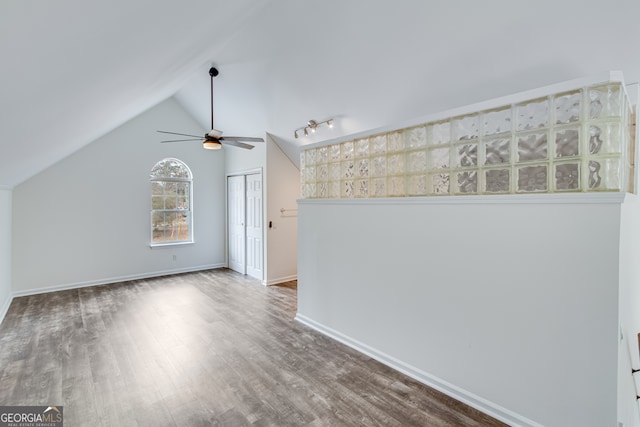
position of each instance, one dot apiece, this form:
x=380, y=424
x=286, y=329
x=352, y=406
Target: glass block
x=496, y=122
x=532, y=147
x=395, y=142
x=303, y=157
x=605, y=138
x=468, y=182
x=347, y=189
x=465, y=128
x=310, y=191
x=334, y=152
x=604, y=174
x=395, y=164
x=567, y=142
x=323, y=190
x=440, y=183
x=310, y=159
x=466, y=155
x=322, y=155
x=417, y=161
x=417, y=185
x=362, y=188
x=440, y=133
x=378, y=144
x=439, y=158
x=310, y=174
x=347, y=150
x=416, y=137
x=334, y=189
x=567, y=107
x=378, y=187
x=363, y=168
x=497, y=151
x=532, y=178
x=378, y=166
x=348, y=169
x=497, y=180
x=532, y=115
x=334, y=171
x=362, y=148
x=567, y=176
x=605, y=101
x=322, y=173
x=395, y=186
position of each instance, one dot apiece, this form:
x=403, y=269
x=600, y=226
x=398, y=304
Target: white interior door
x=236, y=227
x=254, y=225
x=245, y=243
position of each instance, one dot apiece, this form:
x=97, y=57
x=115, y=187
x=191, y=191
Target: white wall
x=85, y=220
x=281, y=179
x=283, y=189
x=5, y=250
x=512, y=307
x=629, y=310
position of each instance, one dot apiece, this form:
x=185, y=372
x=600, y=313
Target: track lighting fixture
x=312, y=125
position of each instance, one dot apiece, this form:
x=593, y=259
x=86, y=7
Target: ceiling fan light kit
x=211, y=145
x=213, y=140
x=312, y=125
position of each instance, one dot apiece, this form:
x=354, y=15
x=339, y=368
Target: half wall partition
x=572, y=137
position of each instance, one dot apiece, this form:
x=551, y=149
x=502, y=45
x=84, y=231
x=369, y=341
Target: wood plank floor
x=200, y=349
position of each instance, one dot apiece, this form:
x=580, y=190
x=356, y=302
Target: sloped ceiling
x=73, y=70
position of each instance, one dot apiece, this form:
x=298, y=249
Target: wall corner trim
x=432, y=381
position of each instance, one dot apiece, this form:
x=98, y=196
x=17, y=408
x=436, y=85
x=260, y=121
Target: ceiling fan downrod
x=213, y=71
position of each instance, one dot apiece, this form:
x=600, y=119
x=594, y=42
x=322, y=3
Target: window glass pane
x=170, y=202
x=170, y=188
x=157, y=227
x=157, y=188
x=183, y=195
x=170, y=168
x=183, y=224
x=170, y=230
x=157, y=203
x=183, y=202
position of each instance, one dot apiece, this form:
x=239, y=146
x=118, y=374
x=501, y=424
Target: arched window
x=171, y=203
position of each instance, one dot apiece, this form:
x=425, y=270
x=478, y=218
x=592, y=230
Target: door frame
x=226, y=215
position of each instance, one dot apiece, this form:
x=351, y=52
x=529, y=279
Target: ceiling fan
x=213, y=140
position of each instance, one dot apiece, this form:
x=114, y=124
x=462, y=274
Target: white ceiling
x=72, y=70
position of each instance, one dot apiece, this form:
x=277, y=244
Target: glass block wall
x=567, y=142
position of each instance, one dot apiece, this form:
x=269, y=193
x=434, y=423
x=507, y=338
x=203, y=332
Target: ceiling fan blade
x=182, y=140
x=236, y=144
x=243, y=138
x=181, y=134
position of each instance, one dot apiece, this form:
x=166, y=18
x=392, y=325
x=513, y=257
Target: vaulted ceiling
x=73, y=70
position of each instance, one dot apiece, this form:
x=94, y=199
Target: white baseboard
x=111, y=280
x=451, y=390
x=5, y=307
x=280, y=280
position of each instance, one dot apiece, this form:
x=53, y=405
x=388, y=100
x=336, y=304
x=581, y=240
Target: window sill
x=167, y=245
